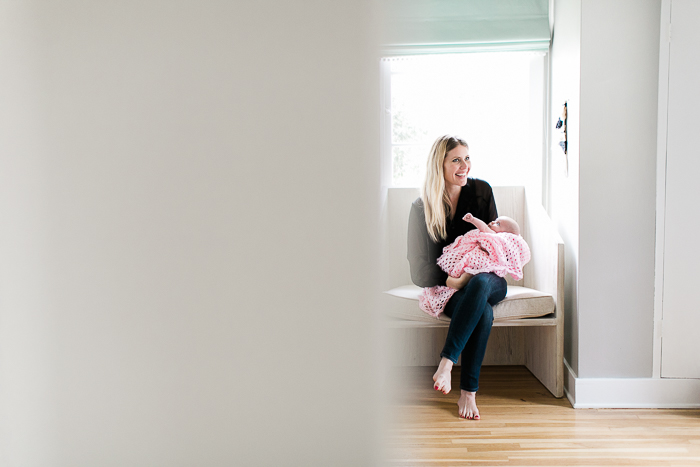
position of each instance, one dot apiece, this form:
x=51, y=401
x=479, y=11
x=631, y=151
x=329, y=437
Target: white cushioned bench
x=528, y=323
x=520, y=302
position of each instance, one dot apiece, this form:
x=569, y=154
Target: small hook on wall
x=563, y=142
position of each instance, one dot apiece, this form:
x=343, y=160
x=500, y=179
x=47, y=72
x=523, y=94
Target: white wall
x=605, y=63
x=187, y=224
x=619, y=80
x=564, y=169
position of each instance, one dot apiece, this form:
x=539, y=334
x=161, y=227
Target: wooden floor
x=523, y=424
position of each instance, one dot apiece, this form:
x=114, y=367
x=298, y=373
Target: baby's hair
x=509, y=225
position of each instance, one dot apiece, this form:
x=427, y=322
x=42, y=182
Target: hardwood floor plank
x=523, y=425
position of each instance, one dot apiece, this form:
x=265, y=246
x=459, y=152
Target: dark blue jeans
x=470, y=326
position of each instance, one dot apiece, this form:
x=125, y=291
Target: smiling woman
x=456, y=167
x=441, y=187
x=435, y=222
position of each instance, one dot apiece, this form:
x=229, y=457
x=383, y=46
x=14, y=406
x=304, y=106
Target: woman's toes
x=446, y=386
x=442, y=382
x=467, y=406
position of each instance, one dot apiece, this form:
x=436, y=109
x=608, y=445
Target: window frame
x=540, y=90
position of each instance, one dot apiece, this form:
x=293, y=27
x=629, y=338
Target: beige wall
x=565, y=85
x=187, y=239
x=619, y=81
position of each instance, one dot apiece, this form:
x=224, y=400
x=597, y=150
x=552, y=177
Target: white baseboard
x=630, y=393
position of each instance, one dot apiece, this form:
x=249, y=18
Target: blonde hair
x=436, y=202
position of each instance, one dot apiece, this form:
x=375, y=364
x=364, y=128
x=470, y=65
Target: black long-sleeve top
x=476, y=198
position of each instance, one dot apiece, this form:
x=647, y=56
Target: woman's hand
x=451, y=282
x=458, y=282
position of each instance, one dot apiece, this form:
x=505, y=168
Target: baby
x=495, y=247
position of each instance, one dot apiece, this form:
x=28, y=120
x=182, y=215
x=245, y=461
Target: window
x=495, y=101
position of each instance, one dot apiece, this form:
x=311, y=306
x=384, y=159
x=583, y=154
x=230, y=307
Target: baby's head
x=505, y=224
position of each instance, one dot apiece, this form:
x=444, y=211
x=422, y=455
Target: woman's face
x=457, y=166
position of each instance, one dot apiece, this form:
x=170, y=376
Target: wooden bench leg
x=544, y=357
x=539, y=348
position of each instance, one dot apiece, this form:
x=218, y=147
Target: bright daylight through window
x=493, y=100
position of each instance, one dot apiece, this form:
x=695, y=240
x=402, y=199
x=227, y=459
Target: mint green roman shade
x=444, y=26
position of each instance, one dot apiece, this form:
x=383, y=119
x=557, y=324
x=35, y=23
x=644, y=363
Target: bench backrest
x=510, y=202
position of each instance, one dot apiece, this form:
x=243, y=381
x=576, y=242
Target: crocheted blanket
x=501, y=253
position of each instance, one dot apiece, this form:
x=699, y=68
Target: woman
x=435, y=221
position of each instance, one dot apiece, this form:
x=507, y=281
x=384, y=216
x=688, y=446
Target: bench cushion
x=520, y=302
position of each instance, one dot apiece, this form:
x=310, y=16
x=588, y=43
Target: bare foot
x=443, y=376
x=467, y=406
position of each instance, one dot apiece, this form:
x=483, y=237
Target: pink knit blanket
x=501, y=253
